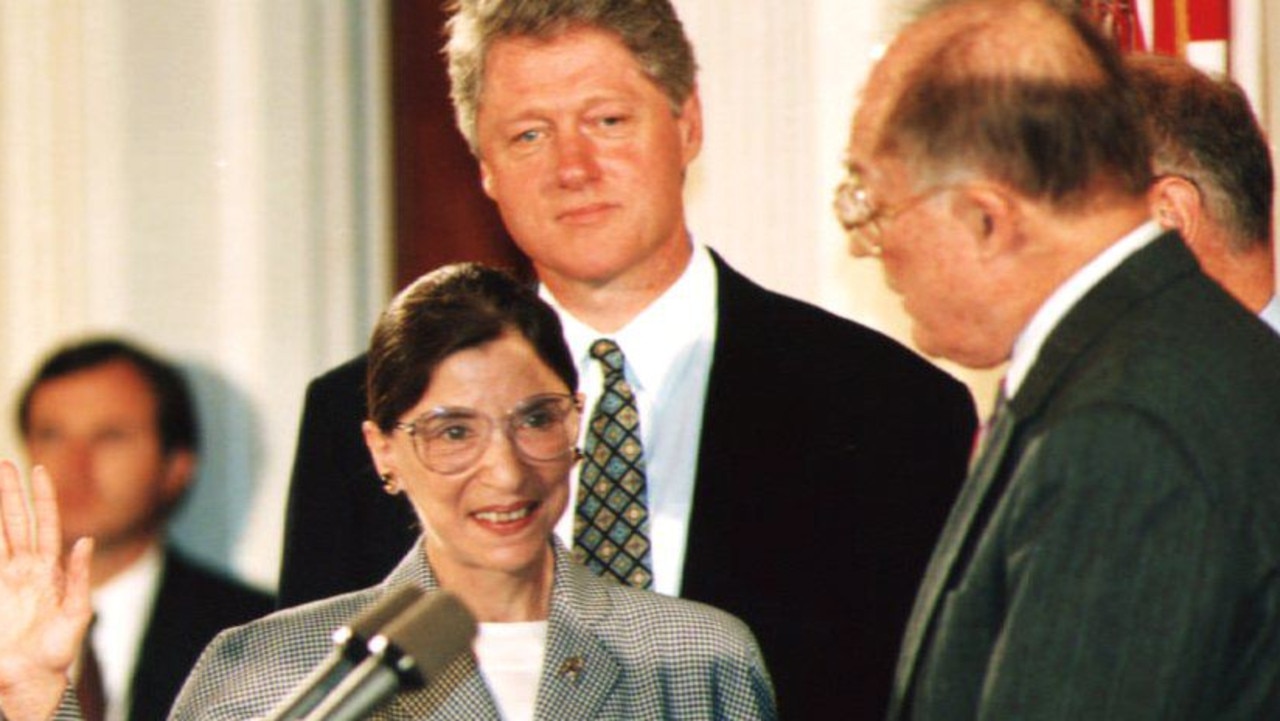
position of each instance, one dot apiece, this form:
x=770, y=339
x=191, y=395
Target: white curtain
x=778, y=84
x=206, y=177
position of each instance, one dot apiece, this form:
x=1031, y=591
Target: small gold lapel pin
x=571, y=668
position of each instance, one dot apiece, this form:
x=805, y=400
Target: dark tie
x=89, y=690
x=611, y=525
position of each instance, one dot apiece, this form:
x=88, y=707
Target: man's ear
x=1176, y=205
x=179, y=469
x=690, y=124
x=486, y=179
x=991, y=216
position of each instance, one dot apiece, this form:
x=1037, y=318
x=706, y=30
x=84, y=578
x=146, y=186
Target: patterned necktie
x=611, y=525
x=89, y=690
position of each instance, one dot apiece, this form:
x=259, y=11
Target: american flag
x=1197, y=30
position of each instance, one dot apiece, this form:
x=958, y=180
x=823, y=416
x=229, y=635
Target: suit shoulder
x=248, y=669
x=307, y=628
x=342, y=376
x=1190, y=356
x=755, y=321
x=682, y=625
x=219, y=596
x=334, y=400
x=305, y=632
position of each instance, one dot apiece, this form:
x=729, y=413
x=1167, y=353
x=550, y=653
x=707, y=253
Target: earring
x=389, y=485
x=578, y=455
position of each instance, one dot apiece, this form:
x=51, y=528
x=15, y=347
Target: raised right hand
x=44, y=604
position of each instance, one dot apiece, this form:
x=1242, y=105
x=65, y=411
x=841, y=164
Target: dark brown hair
x=176, y=422
x=447, y=310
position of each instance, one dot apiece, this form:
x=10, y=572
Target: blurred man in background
x=116, y=428
x=1214, y=180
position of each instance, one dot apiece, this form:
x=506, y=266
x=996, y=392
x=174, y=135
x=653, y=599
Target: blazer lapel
x=578, y=675
x=161, y=662
x=578, y=672
x=958, y=528
x=710, y=536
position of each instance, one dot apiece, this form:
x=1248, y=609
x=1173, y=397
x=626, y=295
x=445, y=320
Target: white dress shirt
x=1027, y=348
x=122, y=609
x=668, y=349
x=1271, y=313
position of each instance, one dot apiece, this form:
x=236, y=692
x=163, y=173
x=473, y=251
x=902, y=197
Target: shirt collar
x=135, y=582
x=653, y=339
x=1271, y=313
x=1027, y=348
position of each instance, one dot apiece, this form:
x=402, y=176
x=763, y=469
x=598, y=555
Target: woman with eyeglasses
x=473, y=417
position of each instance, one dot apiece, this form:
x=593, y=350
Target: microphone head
x=427, y=637
x=351, y=647
x=355, y=635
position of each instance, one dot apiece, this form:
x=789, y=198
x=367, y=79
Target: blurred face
x=498, y=513
x=585, y=158
x=96, y=432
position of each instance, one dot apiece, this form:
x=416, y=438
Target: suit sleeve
x=1114, y=576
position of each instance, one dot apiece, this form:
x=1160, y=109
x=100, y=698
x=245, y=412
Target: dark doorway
x=441, y=214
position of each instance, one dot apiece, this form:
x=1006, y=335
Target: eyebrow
x=449, y=412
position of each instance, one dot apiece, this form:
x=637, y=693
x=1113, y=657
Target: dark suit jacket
x=828, y=458
x=1115, y=553
x=192, y=606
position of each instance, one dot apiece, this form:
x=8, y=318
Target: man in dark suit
x=798, y=465
x=1115, y=552
x=116, y=428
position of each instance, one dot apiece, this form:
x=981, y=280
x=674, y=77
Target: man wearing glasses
x=1115, y=551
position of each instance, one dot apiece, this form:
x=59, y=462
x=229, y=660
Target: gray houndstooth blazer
x=612, y=653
